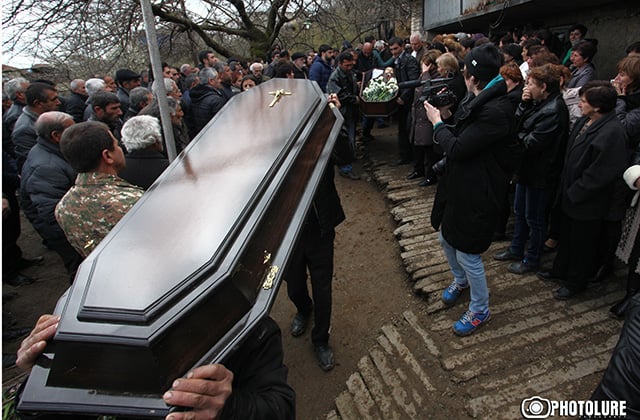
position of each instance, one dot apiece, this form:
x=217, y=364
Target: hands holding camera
x=433, y=114
x=436, y=115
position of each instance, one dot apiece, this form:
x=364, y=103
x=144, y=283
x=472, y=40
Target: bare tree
x=109, y=32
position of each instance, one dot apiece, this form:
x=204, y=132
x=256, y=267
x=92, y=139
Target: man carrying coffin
x=252, y=384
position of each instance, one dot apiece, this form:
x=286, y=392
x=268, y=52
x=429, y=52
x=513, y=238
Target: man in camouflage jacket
x=99, y=198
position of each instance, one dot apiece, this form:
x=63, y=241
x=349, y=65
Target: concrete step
x=533, y=345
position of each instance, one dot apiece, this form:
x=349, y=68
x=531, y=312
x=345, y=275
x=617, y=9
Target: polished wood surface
x=197, y=261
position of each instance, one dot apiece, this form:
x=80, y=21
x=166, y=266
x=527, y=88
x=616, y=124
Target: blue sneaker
x=470, y=321
x=452, y=293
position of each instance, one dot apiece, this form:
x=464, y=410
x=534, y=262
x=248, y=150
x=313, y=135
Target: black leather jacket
x=543, y=130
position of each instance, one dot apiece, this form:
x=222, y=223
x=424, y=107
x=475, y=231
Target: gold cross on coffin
x=277, y=95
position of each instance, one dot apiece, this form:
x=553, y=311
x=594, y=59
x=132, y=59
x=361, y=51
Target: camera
x=439, y=96
x=437, y=93
x=535, y=408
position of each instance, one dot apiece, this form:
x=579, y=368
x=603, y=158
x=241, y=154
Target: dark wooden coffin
x=183, y=277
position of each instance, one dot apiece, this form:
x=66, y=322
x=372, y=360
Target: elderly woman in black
x=595, y=159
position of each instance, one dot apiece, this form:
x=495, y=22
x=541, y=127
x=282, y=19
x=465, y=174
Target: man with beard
x=106, y=109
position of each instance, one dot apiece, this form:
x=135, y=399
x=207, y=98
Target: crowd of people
x=519, y=123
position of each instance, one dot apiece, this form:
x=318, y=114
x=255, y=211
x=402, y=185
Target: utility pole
x=156, y=68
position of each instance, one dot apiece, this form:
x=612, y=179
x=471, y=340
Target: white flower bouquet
x=380, y=89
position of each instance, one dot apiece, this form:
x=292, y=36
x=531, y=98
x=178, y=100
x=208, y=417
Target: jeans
x=467, y=269
x=529, y=208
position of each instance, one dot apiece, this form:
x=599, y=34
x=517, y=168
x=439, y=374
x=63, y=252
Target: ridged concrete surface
x=533, y=345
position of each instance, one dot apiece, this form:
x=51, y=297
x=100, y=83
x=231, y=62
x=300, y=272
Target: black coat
x=123, y=95
x=205, y=103
x=471, y=191
x=458, y=86
x=594, y=161
x=326, y=209
x=76, y=104
x=143, y=167
x=260, y=388
x=406, y=69
x=543, y=130
x=46, y=178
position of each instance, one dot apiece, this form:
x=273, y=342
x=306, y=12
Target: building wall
x=615, y=25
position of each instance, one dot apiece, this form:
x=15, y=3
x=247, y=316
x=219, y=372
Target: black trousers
x=577, y=257
x=11, y=252
x=404, y=144
x=314, y=252
x=424, y=158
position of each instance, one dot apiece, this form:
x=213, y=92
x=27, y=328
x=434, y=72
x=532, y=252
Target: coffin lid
x=201, y=244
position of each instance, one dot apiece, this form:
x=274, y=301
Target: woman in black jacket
x=595, y=159
x=543, y=128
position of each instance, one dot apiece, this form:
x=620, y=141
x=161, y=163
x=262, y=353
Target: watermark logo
x=541, y=408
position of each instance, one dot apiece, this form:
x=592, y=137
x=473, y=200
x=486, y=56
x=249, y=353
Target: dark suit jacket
x=406, y=69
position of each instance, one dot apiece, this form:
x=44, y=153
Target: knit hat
x=483, y=62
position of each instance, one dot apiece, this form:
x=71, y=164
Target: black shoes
x=324, y=354
x=29, y=262
x=507, y=255
x=564, y=293
x=414, y=175
x=521, y=268
x=18, y=280
x=299, y=325
x=428, y=181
